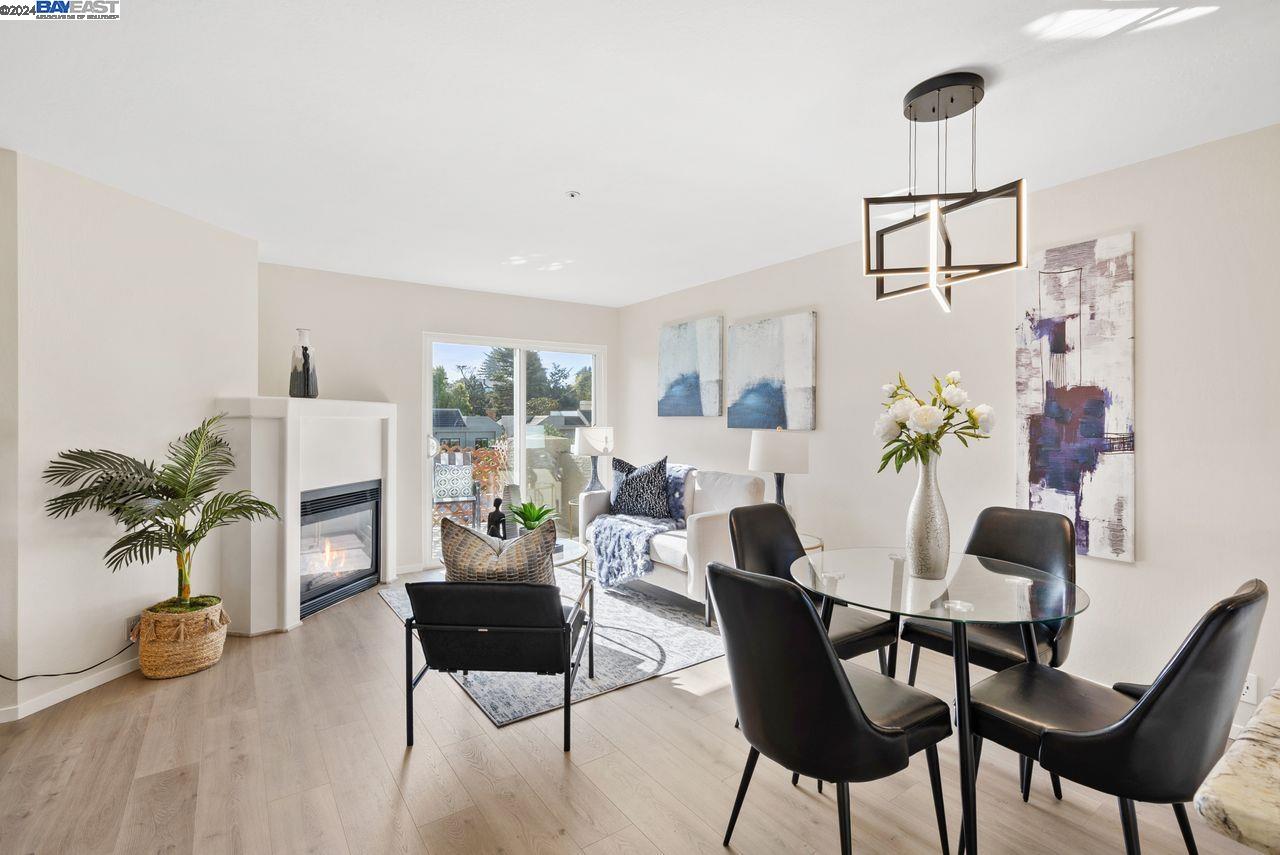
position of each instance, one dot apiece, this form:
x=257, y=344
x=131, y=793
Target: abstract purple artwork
x=1074, y=385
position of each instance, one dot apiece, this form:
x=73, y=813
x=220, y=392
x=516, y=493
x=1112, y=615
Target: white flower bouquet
x=912, y=428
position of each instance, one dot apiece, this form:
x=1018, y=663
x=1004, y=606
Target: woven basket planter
x=171, y=645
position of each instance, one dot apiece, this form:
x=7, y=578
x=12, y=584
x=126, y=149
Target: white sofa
x=680, y=557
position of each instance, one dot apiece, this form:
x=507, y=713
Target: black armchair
x=497, y=626
x=803, y=708
x=1152, y=743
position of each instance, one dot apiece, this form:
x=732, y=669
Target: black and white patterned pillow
x=640, y=491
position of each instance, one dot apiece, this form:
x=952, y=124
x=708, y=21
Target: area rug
x=638, y=636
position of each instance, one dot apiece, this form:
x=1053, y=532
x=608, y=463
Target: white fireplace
x=324, y=451
x=341, y=543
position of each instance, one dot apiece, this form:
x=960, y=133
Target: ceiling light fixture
x=938, y=100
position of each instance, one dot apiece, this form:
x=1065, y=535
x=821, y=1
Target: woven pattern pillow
x=640, y=491
x=473, y=557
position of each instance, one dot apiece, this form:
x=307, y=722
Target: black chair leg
x=1057, y=785
x=591, y=647
x=795, y=781
x=408, y=685
x=846, y=819
x=1129, y=822
x=915, y=663
x=568, y=693
x=935, y=781
x=893, y=660
x=884, y=661
x=1026, y=767
x=962, y=847
x=1184, y=825
x=752, y=757
x=707, y=618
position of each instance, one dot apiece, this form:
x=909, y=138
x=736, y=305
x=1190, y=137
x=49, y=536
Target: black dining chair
x=1139, y=743
x=802, y=707
x=765, y=541
x=1037, y=539
x=497, y=626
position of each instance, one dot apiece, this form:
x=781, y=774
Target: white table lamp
x=593, y=442
x=780, y=452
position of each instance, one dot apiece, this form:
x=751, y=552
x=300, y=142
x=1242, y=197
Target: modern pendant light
x=937, y=101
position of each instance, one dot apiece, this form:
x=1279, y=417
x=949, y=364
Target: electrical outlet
x=1249, y=694
x=129, y=623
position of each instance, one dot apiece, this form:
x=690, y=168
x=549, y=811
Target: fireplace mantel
x=284, y=446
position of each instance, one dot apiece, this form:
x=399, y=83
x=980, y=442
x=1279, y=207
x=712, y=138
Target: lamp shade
x=779, y=451
x=593, y=441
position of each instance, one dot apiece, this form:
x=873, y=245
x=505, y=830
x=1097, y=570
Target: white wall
x=8, y=427
x=1208, y=296
x=131, y=319
x=367, y=335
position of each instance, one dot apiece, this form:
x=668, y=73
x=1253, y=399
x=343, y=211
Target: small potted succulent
x=164, y=509
x=531, y=515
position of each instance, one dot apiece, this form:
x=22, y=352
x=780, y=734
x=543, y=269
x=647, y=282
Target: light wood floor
x=294, y=743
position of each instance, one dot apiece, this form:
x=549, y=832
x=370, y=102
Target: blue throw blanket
x=620, y=546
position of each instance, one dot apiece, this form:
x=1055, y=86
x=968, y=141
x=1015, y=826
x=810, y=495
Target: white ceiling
x=434, y=141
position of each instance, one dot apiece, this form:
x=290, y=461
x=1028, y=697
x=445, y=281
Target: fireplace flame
x=334, y=559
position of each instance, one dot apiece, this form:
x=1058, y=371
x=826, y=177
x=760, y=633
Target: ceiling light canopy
x=939, y=219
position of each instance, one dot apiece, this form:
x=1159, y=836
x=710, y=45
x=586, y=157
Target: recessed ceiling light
x=572, y=194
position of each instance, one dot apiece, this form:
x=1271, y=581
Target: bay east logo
x=66, y=10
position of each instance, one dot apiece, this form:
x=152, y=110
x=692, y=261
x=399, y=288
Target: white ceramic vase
x=928, y=532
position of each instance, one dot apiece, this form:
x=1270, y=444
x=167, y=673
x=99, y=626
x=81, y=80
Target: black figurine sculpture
x=302, y=372
x=497, y=521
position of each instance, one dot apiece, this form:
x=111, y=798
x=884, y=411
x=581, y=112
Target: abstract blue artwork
x=770, y=372
x=1074, y=386
x=689, y=368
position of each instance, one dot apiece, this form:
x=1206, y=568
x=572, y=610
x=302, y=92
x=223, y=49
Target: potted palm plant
x=164, y=509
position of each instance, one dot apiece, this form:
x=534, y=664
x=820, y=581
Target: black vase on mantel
x=302, y=375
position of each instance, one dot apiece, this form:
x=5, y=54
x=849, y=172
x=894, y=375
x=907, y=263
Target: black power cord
x=69, y=673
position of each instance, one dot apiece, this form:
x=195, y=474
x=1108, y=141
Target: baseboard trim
x=67, y=690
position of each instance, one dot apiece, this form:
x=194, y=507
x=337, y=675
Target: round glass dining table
x=974, y=590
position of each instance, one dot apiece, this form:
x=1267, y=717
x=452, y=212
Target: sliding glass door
x=499, y=422
x=559, y=398
x=472, y=446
